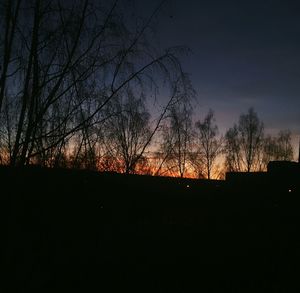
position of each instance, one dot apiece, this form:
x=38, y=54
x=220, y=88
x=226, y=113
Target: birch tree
x=59, y=54
x=244, y=142
x=208, y=143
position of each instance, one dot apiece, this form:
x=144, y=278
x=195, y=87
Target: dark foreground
x=76, y=230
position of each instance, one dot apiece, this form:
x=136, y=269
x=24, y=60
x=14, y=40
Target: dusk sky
x=243, y=54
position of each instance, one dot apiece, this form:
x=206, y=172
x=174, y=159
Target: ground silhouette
x=72, y=229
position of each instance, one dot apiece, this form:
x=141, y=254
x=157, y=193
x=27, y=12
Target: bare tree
x=251, y=138
x=278, y=147
x=127, y=131
x=269, y=149
x=244, y=143
x=232, y=150
x=284, y=146
x=59, y=54
x=177, y=139
x=9, y=16
x=208, y=144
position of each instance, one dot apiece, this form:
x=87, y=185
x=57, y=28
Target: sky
x=243, y=54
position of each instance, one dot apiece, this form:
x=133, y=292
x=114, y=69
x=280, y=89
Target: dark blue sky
x=244, y=53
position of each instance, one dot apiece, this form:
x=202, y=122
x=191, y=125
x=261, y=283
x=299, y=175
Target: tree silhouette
x=284, y=150
x=127, y=131
x=278, y=147
x=177, y=139
x=61, y=63
x=209, y=146
x=243, y=143
x=232, y=150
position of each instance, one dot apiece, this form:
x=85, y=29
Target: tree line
x=199, y=150
x=77, y=81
